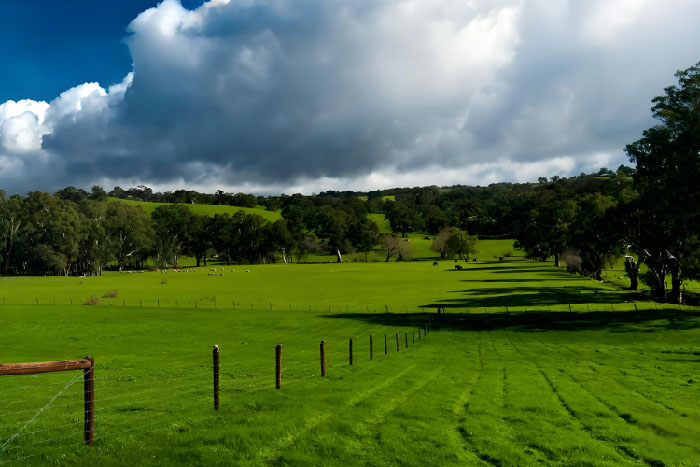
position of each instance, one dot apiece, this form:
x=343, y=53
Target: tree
x=172, y=224
x=546, y=230
x=439, y=245
x=364, y=235
x=668, y=167
x=98, y=193
x=460, y=243
x=128, y=231
x=595, y=234
x=396, y=246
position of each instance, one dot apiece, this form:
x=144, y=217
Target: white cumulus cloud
x=268, y=95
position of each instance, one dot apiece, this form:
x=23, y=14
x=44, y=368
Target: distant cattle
x=474, y=260
x=434, y=263
x=458, y=267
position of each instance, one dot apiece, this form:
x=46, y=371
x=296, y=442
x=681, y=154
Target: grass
x=510, y=375
x=355, y=285
x=205, y=209
x=603, y=389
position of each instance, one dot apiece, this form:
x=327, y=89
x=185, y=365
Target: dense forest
x=648, y=214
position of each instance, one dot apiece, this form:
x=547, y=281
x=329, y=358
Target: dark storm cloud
x=310, y=94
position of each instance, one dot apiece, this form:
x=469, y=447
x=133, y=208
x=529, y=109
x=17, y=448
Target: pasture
x=509, y=375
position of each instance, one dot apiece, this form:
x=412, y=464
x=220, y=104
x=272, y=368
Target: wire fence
x=44, y=414
x=476, y=306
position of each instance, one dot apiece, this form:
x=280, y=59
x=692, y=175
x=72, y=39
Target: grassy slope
x=204, y=209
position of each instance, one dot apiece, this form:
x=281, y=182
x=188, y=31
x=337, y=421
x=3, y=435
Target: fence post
x=385, y=352
x=89, y=399
x=350, y=350
x=413, y=336
x=397, y=341
x=323, y=359
x=635, y=307
x=386, y=307
x=215, y=355
x=418, y=334
x=278, y=366
x=370, y=346
x=406, y=338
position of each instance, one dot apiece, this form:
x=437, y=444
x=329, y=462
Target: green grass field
x=205, y=209
x=533, y=383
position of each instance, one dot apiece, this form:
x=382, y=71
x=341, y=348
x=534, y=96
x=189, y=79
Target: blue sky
x=50, y=46
x=270, y=96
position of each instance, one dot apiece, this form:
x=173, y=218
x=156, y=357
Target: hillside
x=204, y=209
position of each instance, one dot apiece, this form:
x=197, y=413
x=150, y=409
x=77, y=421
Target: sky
x=272, y=96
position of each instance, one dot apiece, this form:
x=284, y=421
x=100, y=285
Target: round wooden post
x=278, y=366
x=350, y=350
x=413, y=337
x=385, y=352
x=370, y=346
x=89, y=398
x=418, y=334
x=215, y=355
x=406, y=338
x=323, y=359
x=397, y=341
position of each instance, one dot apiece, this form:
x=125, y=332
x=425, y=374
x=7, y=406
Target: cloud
x=263, y=95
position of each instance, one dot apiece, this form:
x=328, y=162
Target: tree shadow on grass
x=557, y=279
x=538, y=321
x=530, y=296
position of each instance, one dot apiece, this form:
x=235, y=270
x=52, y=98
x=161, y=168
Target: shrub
x=93, y=300
x=573, y=261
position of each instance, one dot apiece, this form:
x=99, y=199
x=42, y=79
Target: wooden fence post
x=370, y=347
x=278, y=366
x=215, y=356
x=406, y=338
x=89, y=398
x=397, y=341
x=418, y=334
x=385, y=352
x=350, y=350
x=323, y=359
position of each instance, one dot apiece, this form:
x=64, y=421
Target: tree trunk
x=632, y=270
x=197, y=258
x=676, y=286
x=556, y=260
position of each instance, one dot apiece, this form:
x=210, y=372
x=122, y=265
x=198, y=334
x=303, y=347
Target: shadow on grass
x=530, y=296
x=549, y=279
x=537, y=321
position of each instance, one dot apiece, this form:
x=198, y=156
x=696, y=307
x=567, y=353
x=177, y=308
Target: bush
x=92, y=301
x=508, y=254
x=573, y=261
